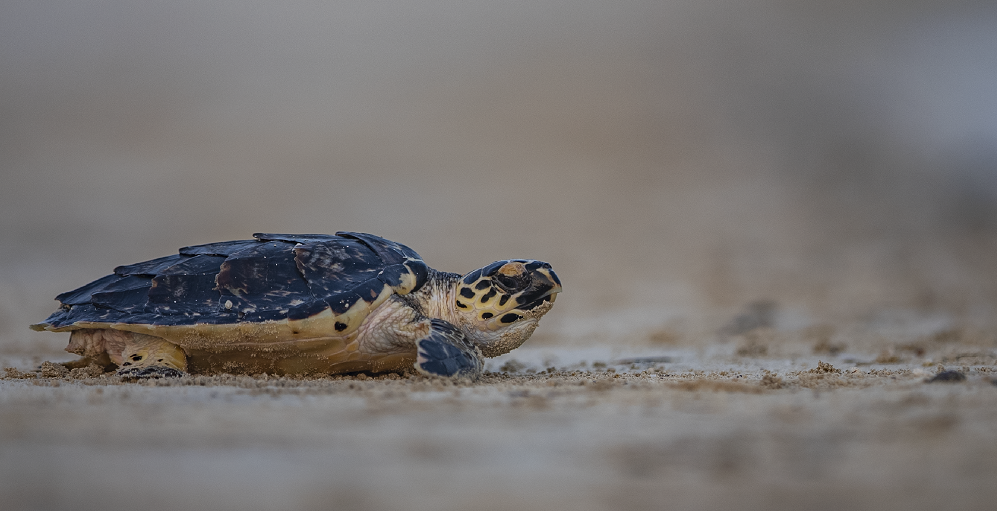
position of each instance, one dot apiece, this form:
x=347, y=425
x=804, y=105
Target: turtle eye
x=511, y=283
x=512, y=276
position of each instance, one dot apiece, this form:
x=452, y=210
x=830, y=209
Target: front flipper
x=446, y=352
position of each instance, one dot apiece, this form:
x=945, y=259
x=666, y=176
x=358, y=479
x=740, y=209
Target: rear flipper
x=152, y=357
x=135, y=355
x=446, y=352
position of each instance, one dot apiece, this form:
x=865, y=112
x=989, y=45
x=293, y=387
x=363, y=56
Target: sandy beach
x=633, y=433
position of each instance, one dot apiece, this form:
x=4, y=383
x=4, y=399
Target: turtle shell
x=278, y=287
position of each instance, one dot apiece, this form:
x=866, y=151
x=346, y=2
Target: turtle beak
x=544, y=286
x=547, y=275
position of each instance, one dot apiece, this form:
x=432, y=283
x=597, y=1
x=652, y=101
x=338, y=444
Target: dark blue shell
x=273, y=277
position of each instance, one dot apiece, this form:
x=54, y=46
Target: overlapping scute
x=273, y=277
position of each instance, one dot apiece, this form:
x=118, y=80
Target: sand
x=648, y=429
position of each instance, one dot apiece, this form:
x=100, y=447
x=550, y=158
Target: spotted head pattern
x=505, y=292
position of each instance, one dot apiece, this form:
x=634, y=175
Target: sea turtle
x=302, y=304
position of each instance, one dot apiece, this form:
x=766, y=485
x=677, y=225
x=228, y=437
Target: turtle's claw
x=141, y=373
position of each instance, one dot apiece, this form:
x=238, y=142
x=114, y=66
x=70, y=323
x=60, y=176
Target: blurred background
x=676, y=161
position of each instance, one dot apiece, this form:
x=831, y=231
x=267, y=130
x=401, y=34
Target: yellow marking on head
x=486, y=305
x=512, y=269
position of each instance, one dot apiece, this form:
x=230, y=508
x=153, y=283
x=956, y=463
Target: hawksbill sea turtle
x=298, y=304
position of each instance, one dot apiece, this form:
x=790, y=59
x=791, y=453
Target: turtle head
x=499, y=305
